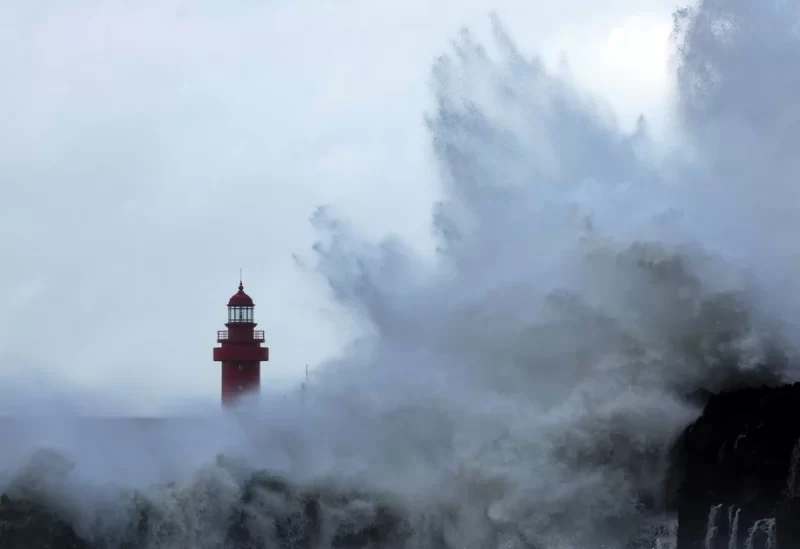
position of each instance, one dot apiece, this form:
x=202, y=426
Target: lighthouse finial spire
x=241, y=286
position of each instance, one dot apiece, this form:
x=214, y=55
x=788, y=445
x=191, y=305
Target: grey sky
x=147, y=152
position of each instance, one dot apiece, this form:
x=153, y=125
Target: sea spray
x=793, y=478
x=733, y=527
x=712, y=526
x=668, y=538
x=761, y=535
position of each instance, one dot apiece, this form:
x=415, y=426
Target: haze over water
x=521, y=388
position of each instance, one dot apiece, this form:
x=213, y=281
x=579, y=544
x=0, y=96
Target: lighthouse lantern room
x=240, y=350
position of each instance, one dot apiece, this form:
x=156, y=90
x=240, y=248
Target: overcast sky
x=148, y=150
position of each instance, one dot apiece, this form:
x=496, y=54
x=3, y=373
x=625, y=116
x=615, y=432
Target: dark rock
x=733, y=468
x=787, y=523
x=699, y=397
x=25, y=525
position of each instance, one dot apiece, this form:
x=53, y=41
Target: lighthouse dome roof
x=240, y=299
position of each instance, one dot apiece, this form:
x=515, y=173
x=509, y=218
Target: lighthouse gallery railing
x=258, y=335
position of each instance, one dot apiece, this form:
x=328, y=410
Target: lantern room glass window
x=240, y=314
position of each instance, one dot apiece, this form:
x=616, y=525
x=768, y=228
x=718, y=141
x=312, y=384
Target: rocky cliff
x=738, y=468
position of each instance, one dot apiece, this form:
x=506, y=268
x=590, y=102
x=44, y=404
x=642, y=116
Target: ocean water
x=522, y=389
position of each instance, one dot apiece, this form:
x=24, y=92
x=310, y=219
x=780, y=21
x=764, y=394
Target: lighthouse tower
x=240, y=349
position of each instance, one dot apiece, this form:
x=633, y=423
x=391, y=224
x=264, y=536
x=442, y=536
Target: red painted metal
x=240, y=299
x=240, y=350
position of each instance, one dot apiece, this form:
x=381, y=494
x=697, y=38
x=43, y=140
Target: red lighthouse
x=240, y=352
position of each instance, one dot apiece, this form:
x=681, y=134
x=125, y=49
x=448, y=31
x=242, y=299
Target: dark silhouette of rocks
x=737, y=487
x=25, y=525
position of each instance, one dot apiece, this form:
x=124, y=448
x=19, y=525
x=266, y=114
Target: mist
x=524, y=383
